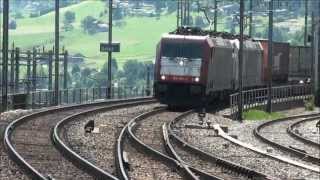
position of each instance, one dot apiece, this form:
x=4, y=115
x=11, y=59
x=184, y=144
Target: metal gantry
x=183, y=12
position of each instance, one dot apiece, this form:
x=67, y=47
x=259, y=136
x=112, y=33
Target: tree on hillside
x=75, y=69
x=199, y=21
x=279, y=34
x=114, y=67
x=133, y=71
x=12, y=24
x=64, y=3
x=117, y=13
x=158, y=6
x=172, y=6
x=69, y=18
x=101, y=77
x=88, y=24
x=297, y=38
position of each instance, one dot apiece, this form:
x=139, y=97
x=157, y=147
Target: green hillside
x=138, y=37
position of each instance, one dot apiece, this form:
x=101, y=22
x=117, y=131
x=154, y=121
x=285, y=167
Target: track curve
x=37, y=155
x=304, y=151
x=298, y=135
x=235, y=170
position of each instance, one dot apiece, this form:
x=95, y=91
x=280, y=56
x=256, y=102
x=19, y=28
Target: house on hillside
x=101, y=27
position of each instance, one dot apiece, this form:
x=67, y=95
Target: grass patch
x=261, y=115
x=310, y=104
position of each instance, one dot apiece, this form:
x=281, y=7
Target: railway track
x=301, y=131
x=145, y=161
x=8, y=169
x=149, y=158
x=97, y=148
x=29, y=143
x=208, y=139
x=209, y=163
x=287, y=140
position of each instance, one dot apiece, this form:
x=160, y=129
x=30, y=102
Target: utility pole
x=188, y=12
x=12, y=70
x=306, y=23
x=34, y=70
x=65, y=70
x=56, y=54
x=109, y=53
x=314, y=89
x=50, y=70
x=240, y=103
x=316, y=44
x=17, y=70
x=148, y=80
x=250, y=17
x=215, y=16
x=270, y=56
x=5, y=48
x=185, y=12
x=317, y=63
x=178, y=12
x=28, y=71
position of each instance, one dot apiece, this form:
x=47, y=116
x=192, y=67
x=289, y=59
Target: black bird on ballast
x=318, y=125
x=88, y=128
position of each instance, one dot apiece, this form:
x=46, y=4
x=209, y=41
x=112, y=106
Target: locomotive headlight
x=197, y=79
x=163, y=77
x=181, y=63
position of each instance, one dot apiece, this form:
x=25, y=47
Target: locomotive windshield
x=185, y=50
x=181, y=59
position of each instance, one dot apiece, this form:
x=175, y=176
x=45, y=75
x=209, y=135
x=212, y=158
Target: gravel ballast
x=98, y=147
x=206, y=139
x=8, y=169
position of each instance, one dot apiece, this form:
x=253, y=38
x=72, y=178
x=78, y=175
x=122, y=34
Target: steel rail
x=300, y=154
x=250, y=173
x=128, y=132
x=121, y=170
x=76, y=158
x=196, y=173
x=17, y=158
x=300, y=137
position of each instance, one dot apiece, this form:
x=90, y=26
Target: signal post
x=109, y=47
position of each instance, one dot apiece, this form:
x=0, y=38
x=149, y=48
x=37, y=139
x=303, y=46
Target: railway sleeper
x=237, y=169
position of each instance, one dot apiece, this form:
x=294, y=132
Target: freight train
x=194, y=67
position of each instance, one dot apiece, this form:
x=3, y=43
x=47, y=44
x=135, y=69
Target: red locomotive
x=195, y=67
